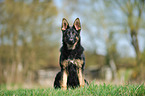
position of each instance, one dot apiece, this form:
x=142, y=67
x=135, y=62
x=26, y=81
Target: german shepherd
x=72, y=59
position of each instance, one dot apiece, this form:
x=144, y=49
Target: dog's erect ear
x=77, y=24
x=65, y=24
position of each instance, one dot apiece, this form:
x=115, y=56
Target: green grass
x=91, y=90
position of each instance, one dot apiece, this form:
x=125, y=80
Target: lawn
x=91, y=90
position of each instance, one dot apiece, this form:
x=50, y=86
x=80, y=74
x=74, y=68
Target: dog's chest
x=73, y=55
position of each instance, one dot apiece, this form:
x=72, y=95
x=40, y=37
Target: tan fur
x=79, y=64
x=63, y=83
x=81, y=77
x=64, y=24
x=77, y=24
x=64, y=80
x=65, y=63
x=72, y=47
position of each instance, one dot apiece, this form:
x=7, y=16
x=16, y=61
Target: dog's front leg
x=81, y=77
x=64, y=80
x=64, y=75
x=79, y=64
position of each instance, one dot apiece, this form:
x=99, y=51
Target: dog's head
x=71, y=34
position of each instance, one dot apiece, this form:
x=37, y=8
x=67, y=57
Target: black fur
x=70, y=50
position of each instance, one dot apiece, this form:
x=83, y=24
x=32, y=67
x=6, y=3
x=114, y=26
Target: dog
x=72, y=59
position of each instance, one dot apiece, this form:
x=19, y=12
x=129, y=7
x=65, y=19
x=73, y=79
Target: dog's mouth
x=71, y=45
x=71, y=42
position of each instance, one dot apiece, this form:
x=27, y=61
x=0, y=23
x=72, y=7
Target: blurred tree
x=112, y=55
x=134, y=10
x=25, y=38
